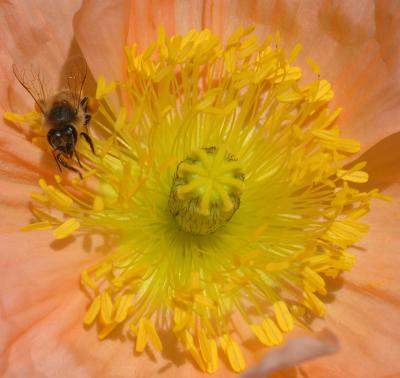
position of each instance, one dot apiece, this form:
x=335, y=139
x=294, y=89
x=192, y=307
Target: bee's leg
x=55, y=155
x=77, y=158
x=84, y=103
x=88, y=117
x=88, y=140
x=60, y=160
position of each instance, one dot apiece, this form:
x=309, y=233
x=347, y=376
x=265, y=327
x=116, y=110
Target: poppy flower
x=219, y=200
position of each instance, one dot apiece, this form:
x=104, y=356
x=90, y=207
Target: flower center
x=206, y=190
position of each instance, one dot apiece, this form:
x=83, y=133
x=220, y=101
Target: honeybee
x=66, y=114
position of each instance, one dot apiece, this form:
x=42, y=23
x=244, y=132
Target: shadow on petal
x=382, y=163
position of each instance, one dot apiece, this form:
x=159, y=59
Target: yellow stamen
x=45, y=225
x=283, y=316
x=66, y=229
x=233, y=352
x=272, y=332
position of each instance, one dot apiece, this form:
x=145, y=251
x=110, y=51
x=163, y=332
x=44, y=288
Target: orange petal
x=145, y=17
x=32, y=32
x=340, y=36
x=294, y=352
x=383, y=165
x=20, y=158
x=354, y=44
x=42, y=309
x=365, y=313
x=357, y=49
x=387, y=17
x=101, y=29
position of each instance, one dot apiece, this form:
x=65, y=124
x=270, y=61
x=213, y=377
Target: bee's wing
x=34, y=81
x=75, y=72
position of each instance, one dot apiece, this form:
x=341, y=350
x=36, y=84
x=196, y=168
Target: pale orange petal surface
x=42, y=305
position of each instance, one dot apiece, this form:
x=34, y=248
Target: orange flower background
x=356, y=45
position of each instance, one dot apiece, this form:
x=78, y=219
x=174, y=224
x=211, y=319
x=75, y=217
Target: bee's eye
x=58, y=137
